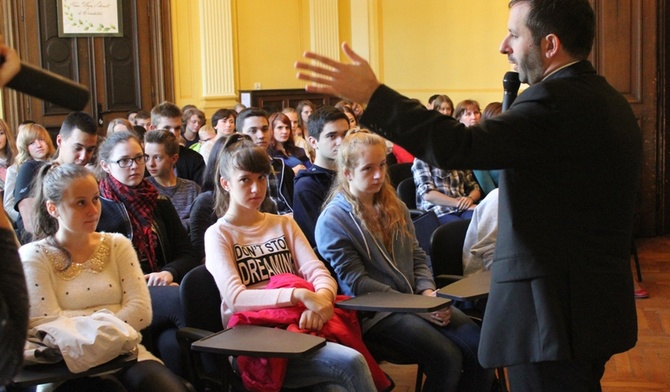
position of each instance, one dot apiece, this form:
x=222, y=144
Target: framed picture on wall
x=90, y=18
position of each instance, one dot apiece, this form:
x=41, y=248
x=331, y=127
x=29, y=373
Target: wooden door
x=625, y=53
x=123, y=73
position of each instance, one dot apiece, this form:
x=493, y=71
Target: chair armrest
x=445, y=279
x=199, y=374
x=188, y=334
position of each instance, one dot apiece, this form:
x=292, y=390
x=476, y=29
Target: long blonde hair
x=390, y=210
x=28, y=133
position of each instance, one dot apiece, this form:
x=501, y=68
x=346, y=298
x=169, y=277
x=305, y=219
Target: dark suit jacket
x=570, y=149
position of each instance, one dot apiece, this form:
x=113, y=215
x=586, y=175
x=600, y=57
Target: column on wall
x=218, y=65
x=365, y=32
x=324, y=27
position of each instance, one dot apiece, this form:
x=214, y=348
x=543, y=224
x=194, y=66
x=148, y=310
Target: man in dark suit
x=561, y=301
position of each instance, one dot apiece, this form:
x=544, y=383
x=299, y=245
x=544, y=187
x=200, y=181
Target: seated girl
x=152, y=223
x=72, y=270
x=246, y=240
x=33, y=144
x=366, y=234
x=282, y=145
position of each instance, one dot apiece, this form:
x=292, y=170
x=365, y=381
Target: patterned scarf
x=140, y=202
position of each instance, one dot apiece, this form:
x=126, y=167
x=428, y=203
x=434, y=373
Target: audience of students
x=327, y=127
x=142, y=119
x=161, y=242
x=118, y=125
x=282, y=145
x=443, y=104
x=7, y=153
x=73, y=271
x=366, y=234
x=192, y=119
x=33, y=143
x=304, y=109
x=245, y=239
x=254, y=123
x=77, y=142
x=299, y=134
x=162, y=152
x=190, y=165
x=207, y=137
x=223, y=120
x=468, y=112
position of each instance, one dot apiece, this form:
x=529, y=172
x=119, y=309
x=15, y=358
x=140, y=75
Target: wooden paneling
x=625, y=52
x=122, y=73
x=274, y=100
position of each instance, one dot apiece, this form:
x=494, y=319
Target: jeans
x=333, y=367
x=167, y=319
x=456, y=216
x=447, y=354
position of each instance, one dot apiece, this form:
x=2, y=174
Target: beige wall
x=420, y=48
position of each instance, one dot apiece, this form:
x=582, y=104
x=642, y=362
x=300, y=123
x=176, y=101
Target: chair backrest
x=200, y=300
x=446, y=246
x=424, y=226
x=406, y=191
x=398, y=172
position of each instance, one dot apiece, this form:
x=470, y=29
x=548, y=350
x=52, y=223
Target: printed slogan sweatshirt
x=242, y=260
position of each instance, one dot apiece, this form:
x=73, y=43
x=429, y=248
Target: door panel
x=625, y=54
x=119, y=71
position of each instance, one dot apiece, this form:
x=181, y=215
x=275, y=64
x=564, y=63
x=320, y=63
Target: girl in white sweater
x=71, y=270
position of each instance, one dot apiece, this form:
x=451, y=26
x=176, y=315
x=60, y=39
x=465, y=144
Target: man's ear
x=313, y=142
x=174, y=158
x=551, y=45
x=59, y=139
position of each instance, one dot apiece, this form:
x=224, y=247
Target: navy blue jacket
x=310, y=190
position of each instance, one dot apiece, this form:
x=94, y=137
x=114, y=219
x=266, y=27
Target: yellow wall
x=270, y=37
x=448, y=47
x=420, y=48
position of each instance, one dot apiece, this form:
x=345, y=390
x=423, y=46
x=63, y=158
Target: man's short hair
x=573, y=22
x=164, y=110
x=164, y=137
x=141, y=115
x=246, y=113
x=322, y=116
x=79, y=120
x=222, y=114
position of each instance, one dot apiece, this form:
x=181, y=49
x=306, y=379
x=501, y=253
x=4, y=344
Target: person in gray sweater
x=366, y=234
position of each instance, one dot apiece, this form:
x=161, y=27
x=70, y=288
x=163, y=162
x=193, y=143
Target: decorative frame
x=90, y=18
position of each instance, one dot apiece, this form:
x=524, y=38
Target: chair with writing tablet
x=206, y=346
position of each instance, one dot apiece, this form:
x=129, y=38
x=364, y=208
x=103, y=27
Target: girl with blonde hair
x=366, y=234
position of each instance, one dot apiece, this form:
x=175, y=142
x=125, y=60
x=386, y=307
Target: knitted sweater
x=111, y=279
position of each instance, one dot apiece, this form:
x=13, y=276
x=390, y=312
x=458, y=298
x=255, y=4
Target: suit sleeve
x=13, y=308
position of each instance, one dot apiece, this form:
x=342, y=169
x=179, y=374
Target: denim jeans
x=333, y=367
x=455, y=216
x=447, y=354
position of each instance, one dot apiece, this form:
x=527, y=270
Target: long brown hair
x=389, y=209
x=238, y=153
